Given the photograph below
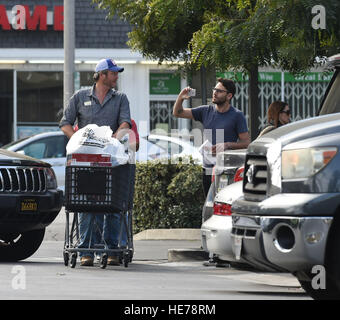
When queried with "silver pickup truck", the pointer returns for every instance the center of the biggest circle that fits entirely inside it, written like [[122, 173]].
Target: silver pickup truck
[[288, 218]]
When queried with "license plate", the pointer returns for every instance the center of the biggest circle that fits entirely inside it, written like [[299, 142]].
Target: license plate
[[237, 247], [28, 205], [223, 182]]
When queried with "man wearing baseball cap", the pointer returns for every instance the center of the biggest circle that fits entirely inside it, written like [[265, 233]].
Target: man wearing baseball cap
[[104, 106], [108, 64]]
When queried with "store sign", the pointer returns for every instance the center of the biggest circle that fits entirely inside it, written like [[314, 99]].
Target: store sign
[[239, 76], [309, 77], [165, 83], [21, 18], [276, 76]]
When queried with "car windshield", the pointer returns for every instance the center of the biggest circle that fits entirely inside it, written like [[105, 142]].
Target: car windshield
[[332, 101], [7, 146]]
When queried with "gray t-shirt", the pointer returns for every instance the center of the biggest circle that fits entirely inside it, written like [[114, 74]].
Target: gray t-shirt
[[85, 107]]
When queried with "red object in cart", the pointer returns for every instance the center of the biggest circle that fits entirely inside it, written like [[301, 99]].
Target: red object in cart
[[84, 159]]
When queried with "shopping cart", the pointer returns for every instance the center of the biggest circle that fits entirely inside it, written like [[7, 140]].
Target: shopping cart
[[93, 190]]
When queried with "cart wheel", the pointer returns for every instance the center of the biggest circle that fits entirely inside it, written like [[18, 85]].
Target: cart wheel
[[66, 258], [73, 260], [103, 261], [130, 255], [126, 260]]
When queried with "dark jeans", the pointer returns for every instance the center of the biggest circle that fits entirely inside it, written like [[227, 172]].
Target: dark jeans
[[207, 174], [94, 228]]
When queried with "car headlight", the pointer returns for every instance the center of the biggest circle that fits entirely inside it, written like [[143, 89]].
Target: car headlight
[[51, 181], [303, 163]]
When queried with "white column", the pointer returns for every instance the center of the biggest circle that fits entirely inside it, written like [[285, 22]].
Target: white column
[[15, 105], [184, 123], [69, 49]]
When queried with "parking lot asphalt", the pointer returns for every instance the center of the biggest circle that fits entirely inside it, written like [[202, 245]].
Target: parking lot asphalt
[[148, 277], [192, 252], [171, 245]]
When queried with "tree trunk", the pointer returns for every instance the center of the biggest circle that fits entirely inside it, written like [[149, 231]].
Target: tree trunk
[[203, 73], [254, 106]]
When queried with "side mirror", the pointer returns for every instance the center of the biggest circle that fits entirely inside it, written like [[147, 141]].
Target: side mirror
[[21, 152]]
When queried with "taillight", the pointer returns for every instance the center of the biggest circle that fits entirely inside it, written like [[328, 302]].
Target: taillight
[[239, 174], [222, 209], [213, 175]]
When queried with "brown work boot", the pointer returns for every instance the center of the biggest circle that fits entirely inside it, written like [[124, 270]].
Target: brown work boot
[[86, 261], [113, 261]]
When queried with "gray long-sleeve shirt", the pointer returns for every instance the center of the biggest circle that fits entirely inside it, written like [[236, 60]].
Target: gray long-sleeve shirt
[[85, 107]]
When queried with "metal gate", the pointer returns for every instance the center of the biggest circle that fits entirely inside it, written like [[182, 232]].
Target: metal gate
[[304, 98], [161, 116]]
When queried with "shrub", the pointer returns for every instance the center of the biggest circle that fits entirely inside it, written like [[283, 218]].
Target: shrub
[[168, 195]]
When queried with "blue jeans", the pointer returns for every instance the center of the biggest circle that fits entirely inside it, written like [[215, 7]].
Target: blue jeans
[[100, 228]]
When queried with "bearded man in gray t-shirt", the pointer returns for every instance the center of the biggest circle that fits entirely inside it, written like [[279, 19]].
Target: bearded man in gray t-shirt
[[225, 127]]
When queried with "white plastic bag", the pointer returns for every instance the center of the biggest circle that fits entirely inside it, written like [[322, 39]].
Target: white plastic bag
[[206, 151], [98, 140]]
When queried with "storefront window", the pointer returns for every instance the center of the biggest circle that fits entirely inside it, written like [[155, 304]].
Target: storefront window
[[161, 117], [6, 106], [164, 88], [40, 97], [86, 79]]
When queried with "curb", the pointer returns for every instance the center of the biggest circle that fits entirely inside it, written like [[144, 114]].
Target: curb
[[180, 255], [169, 234], [56, 232]]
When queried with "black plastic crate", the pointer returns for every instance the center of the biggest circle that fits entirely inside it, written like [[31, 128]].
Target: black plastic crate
[[99, 189]]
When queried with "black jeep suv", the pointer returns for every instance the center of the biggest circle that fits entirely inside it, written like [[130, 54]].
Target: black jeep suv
[[29, 201]]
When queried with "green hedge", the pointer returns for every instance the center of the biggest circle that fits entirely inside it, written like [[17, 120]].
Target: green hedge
[[168, 195]]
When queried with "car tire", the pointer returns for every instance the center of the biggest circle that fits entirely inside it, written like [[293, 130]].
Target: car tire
[[332, 270], [330, 293], [17, 247]]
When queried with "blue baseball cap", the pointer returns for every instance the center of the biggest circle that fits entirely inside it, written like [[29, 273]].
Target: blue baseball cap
[[108, 64]]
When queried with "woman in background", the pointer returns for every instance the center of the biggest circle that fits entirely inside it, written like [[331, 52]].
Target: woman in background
[[278, 114]]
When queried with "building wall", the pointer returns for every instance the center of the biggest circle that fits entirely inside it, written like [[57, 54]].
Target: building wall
[[134, 82], [93, 30], [42, 51]]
